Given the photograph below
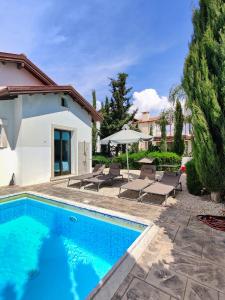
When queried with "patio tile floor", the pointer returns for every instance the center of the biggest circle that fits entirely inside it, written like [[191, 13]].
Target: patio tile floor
[[185, 260], [196, 291]]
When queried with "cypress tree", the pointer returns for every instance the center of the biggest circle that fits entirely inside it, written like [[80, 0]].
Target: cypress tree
[[94, 127], [105, 125], [151, 130], [178, 145], [204, 84], [105, 129], [176, 96], [162, 123]]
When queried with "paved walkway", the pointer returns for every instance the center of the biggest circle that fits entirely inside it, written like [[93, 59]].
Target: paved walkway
[[186, 260]]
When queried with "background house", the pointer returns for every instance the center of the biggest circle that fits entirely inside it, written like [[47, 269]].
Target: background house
[[149, 125], [45, 129]]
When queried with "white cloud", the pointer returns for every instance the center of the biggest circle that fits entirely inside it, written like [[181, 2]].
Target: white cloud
[[149, 100]]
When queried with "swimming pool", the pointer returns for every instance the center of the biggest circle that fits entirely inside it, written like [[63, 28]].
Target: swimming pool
[[50, 250]]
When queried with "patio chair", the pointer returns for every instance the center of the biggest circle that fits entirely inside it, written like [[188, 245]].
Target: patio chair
[[98, 170], [114, 172], [168, 184], [147, 177], [172, 178]]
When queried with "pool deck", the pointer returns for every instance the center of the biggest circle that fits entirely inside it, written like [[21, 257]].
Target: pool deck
[[186, 259]]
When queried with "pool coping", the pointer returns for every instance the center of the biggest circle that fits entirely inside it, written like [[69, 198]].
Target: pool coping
[[110, 283]]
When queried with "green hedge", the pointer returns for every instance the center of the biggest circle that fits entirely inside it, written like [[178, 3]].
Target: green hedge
[[101, 159], [165, 158], [133, 157], [193, 183], [161, 158]]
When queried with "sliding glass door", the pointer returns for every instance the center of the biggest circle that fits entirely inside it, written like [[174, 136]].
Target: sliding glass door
[[62, 152]]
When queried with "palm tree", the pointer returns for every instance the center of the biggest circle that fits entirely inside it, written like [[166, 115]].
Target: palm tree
[[177, 98], [170, 118], [177, 93]]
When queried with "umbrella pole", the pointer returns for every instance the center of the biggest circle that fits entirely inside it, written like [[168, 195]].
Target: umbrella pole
[[128, 175]]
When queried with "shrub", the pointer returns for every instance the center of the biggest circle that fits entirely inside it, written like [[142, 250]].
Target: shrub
[[165, 158], [160, 158], [193, 183], [101, 159], [133, 158]]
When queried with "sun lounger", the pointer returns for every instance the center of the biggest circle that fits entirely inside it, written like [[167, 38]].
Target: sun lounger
[[168, 184], [172, 178], [147, 177], [98, 170], [114, 172]]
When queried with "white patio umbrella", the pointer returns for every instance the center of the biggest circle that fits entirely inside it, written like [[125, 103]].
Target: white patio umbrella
[[126, 136]]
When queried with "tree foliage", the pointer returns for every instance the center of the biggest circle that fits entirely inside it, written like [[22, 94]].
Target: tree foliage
[[151, 130], [116, 110], [204, 84], [177, 93], [194, 185], [176, 97], [94, 127], [163, 122], [178, 145], [107, 119]]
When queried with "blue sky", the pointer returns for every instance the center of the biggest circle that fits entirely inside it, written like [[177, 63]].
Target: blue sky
[[83, 43]]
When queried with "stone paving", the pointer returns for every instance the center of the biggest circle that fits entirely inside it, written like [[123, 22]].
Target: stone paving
[[186, 260]]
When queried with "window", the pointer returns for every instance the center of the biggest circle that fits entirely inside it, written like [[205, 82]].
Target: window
[[64, 102]]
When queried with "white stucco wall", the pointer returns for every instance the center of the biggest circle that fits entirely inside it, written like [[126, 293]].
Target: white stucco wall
[[11, 75], [10, 112], [36, 117]]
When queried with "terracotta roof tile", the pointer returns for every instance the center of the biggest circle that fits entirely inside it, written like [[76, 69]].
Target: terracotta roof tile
[[12, 91], [151, 119]]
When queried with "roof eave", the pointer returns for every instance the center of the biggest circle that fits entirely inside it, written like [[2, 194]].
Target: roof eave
[[28, 65], [10, 93]]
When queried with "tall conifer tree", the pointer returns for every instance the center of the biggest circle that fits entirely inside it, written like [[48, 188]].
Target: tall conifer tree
[[116, 110], [178, 144], [204, 84], [176, 96], [105, 125], [163, 122], [94, 127]]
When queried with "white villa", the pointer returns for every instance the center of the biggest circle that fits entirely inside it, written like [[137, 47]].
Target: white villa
[[148, 124], [45, 128]]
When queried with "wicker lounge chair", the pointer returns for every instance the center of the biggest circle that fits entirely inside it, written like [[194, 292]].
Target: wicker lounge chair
[[114, 172], [168, 184], [147, 177], [98, 170]]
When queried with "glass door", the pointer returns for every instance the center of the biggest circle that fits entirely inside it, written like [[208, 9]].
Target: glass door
[[62, 152]]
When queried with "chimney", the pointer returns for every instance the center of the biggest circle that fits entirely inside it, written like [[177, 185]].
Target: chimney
[[145, 116]]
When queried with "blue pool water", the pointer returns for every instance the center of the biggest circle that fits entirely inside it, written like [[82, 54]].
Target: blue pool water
[[52, 253]]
